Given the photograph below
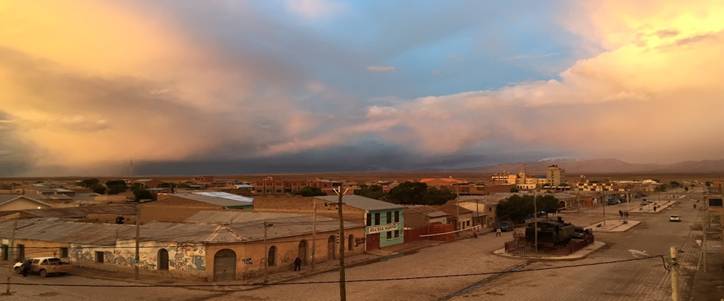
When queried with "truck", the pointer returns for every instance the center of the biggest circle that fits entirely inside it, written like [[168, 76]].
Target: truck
[[45, 266]]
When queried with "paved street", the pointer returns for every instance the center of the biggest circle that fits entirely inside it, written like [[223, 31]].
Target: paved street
[[640, 280]]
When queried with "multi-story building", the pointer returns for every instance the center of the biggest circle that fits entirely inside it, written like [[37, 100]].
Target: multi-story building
[[556, 175], [584, 184], [385, 223], [271, 185]]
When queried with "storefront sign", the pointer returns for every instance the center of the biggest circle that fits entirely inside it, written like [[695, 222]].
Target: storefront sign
[[382, 228]]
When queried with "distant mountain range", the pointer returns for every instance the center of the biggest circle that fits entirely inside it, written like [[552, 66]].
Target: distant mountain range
[[608, 166]]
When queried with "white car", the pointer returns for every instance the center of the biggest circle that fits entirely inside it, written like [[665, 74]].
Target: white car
[[674, 218]]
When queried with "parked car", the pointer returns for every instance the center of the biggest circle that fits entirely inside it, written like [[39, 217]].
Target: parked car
[[674, 218], [45, 266]]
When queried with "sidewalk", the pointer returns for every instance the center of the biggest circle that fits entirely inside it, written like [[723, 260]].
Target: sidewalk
[[580, 254], [613, 225], [660, 205]]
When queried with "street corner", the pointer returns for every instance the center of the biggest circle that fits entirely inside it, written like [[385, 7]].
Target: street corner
[[613, 226], [580, 254]]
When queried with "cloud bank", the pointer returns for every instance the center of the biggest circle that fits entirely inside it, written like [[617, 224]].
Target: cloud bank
[[146, 82]]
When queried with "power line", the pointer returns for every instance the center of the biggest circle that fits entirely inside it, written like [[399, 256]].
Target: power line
[[336, 281]]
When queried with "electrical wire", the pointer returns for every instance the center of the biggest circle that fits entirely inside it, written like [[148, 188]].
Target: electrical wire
[[256, 284]]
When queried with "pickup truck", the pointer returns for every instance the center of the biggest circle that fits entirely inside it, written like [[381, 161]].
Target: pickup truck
[[45, 266]]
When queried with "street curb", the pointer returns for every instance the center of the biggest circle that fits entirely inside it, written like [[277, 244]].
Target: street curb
[[599, 245]]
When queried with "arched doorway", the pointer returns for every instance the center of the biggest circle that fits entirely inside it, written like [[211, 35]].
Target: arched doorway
[[302, 252], [271, 258], [162, 257], [331, 250], [350, 242], [224, 265]]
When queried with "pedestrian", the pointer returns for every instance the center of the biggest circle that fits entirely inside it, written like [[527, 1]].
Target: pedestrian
[[25, 267], [498, 231], [297, 264]]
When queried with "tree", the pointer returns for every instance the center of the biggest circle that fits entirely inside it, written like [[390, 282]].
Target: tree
[[90, 182], [370, 191], [408, 193], [435, 196], [99, 188], [419, 194], [517, 208], [143, 194], [116, 186], [311, 191]]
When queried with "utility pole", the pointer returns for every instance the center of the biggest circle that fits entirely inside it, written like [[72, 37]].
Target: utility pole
[[604, 200], [138, 236], [314, 230], [674, 274], [535, 219], [342, 276], [477, 214], [12, 242], [457, 214], [266, 252]]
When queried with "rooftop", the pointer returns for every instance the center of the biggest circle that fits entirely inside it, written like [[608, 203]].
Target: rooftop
[[223, 199], [361, 202]]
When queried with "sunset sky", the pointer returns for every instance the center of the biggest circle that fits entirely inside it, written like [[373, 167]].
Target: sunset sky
[[237, 86]]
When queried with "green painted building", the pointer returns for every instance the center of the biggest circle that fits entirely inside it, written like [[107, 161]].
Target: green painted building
[[385, 222]]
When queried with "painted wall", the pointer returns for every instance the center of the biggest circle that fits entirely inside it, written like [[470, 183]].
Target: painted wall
[[185, 260], [399, 226], [251, 257]]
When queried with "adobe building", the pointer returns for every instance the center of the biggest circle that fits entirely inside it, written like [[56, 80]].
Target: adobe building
[[212, 245]]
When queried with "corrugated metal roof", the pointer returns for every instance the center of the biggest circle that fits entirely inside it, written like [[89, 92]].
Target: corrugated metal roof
[[362, 202], [7, 198], [59, 230], [235, 217], [216, 198], [54, 229]]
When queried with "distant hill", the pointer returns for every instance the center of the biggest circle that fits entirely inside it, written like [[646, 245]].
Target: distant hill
[[608, 166]]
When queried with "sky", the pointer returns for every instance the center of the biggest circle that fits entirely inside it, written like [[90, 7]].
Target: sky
[[190, 87]]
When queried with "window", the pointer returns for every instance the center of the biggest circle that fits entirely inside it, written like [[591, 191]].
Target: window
[[397, 216], [389, 234], [377, 218], [99, 257], [389, 217], [272, 256], [63, 252], [397, 233], [369, 219], [5, 250]]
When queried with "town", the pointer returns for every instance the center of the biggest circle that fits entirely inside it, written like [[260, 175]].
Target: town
[[323, 150], [268, 236]]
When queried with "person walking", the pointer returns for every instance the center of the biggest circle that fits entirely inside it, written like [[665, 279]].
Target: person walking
[[498, 231], [297, 264], [25, 267]]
